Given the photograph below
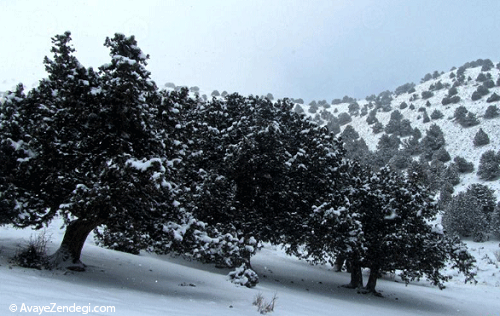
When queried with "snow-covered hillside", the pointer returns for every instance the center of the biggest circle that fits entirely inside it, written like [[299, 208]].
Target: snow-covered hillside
[[160, 285], [459, 140]]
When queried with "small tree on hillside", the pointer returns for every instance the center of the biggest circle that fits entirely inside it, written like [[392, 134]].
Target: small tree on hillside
[[481, 138], [489, 166], [491, 112]]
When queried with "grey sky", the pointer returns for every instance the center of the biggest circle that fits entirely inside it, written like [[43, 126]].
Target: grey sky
[[308, 49]]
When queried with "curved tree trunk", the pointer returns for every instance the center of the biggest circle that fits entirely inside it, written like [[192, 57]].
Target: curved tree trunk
[[68, 254]]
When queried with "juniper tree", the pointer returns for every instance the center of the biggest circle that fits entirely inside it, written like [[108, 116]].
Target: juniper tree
[[91, 149], [489, 166], [271, 166], [481, 138]]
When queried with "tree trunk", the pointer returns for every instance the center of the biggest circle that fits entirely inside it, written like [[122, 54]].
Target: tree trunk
[[372, 281], [339, 263], [356, 275], [68, 254]]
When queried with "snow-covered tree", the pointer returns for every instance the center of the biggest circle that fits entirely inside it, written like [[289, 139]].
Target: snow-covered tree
[[259, 168], [92, 151], [481, 138], [489, 166]]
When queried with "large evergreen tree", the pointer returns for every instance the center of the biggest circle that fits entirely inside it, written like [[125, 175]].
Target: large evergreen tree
[[90, 146]]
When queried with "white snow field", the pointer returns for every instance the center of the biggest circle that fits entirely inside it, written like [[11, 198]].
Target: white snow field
[[148, 284]]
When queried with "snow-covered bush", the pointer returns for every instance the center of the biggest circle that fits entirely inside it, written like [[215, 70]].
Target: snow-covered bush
[[244, 276]]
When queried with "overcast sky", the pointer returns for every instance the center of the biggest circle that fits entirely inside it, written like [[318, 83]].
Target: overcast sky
[[310, 49]]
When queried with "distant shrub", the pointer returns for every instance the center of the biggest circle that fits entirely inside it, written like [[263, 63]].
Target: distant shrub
[[436, 115], [489, 166], [299, 101], [377, 127], [487, 65], [403, 106], [463, 166], [270, 96], [476, 96], [412, 107], [354, 108], [333, 126], [427, 77], [344, 118], [442, 155], [452, 91], [406, 88], [481, 77], [336, 101], [464, 216], [426, 118], [455, 99], [481, 138], [470, 120], [298, 109], [215, 93], [427, 94], [313, 107], [488, 84], [491, 112], [405, 128], [493, 98], [371, 118]]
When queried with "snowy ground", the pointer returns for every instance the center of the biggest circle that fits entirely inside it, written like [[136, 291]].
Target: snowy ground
[[160, 285]]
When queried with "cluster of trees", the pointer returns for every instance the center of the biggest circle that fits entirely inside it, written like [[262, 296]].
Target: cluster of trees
[[161, 170]]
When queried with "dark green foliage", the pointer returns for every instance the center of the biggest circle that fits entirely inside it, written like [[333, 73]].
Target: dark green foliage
[[433, 141], [481, 138], [481, 77], [452, 91], [336, 101], [479, 93], [372, 117], [493, 98], [427, 94], [487, 65], [97, 148], [470, 213], [406, 88], [463, 166], [354, 109], [491, 112], [403, 105], [454, 99], [394, 124], [464, 117], [436, 115], [344, 118], [489, 166], [333, 126], [313, 107], [377, 127], [347, 99], [427, 77], [298, 109], [215, 93], [442, 155], [488, 84], [426, 118]]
